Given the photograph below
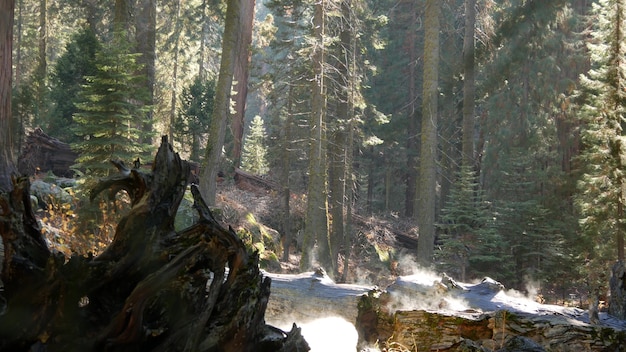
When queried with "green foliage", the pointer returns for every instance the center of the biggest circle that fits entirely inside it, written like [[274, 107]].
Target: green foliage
[[67, 81], [600, 199], [254, 157], [194, 115], [111, 116], [465, 234]]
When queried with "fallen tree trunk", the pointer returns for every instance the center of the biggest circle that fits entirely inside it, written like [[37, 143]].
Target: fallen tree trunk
[[418, 314], [44, 153], [152, 289], [311, 295]]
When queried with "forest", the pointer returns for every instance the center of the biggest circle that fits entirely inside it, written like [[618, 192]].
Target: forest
[[492, 131]]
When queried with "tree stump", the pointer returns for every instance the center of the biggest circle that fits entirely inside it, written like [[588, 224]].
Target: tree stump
[[152, 289]]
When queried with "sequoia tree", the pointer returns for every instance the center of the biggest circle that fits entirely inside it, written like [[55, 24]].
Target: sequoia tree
[[234, 34], [7, 162], [428, 151]]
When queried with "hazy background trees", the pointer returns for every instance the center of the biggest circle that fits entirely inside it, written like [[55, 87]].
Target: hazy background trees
[[478, 137]]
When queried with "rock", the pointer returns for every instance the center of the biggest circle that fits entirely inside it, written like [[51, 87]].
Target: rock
[[49, 194]]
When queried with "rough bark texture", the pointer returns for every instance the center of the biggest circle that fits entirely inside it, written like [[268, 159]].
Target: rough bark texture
[[152, 289], [42, 153], [7, 166], [241, 78], [428, 151], [145, 34], [469, 86], [617, 285], [234, 36], [311, 295], [448, 316], [316, 246]]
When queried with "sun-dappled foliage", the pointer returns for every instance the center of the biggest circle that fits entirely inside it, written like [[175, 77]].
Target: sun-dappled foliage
[[500, 122]]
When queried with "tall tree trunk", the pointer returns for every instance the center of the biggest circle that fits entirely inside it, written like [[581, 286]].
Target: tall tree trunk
[[18, 46], [241, 78], [370, 179], [7, 161], [203, 40], [339, 148], [316, 221], [121, 19], [469, 86], [349, 157], [42, 62], [174, 87], [428, 151], [413, 116], [145, 25], [287, 236], [233, 35]]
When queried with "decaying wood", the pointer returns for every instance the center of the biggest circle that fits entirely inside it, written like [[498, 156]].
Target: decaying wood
[[311, 295], [44, 153], [152, 289], [444, 315], [246, 180]]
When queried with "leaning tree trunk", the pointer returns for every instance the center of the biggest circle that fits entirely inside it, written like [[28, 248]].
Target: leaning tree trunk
[[152, 289]]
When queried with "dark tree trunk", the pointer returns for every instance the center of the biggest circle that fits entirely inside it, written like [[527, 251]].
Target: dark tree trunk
[[7, 164], [617, 286], [242, 63], [152, 289]]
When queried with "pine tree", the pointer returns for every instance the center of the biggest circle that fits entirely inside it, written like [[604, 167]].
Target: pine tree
[[67, 80], [602, 187], [464, 219], [110, 118], [194, 115], [254, 158]]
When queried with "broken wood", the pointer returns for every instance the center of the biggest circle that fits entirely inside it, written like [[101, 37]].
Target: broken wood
[[419, 314], [42, 153], [152, 289]]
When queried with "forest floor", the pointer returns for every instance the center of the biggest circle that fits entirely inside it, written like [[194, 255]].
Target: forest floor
[[382, 246], [376, 257]]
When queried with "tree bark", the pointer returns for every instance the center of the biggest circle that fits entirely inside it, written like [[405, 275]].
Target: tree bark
[[287, 237], [316, 222], [412, 115], [241, 78], [42, 61], [7, 162], [340, 146], [145, 25], [174, 83], [233, 35], [152, 289], [469, 85], [428, 151]]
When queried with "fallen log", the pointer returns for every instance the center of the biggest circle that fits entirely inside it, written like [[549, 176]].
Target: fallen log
[[311, 295], [419, 313], [152, 289], [42, 153]]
